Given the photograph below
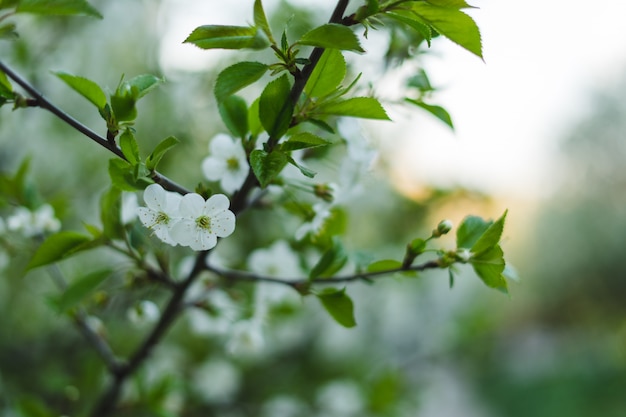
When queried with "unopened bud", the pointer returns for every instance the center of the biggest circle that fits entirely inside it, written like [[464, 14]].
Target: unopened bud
[[443, 228], [463, 255], [325, 191]]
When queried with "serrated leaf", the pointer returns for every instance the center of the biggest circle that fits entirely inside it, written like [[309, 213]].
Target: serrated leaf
[[490, 238], [304, 170], [384, 265], [338, 305], [332, 36], [85, 87], [234, 112], [363, 107], [254, 122], [275, 108], [331, 261], [129, 147], [236, 77], [437, 111], [110, 212], [266, 167], [80, 289], [303, 140], [409, 19], [57, 247], [453, 24], [260, 20], [470, 230], [455, 4], [155, 157], [122, 175], [57, 7], [227, 37], [327, 74], [489, 266]]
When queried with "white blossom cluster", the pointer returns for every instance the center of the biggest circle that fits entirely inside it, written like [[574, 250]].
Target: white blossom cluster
[[187, 220], [30, 223]]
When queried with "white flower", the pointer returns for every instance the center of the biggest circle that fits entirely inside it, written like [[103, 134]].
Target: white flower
[[246, 337], [227, 163], [202, 222], [217, 381], [161, 213], [34, 223], [340, 398], [128, 212], [143, 313], [322, 212], [223, 312]]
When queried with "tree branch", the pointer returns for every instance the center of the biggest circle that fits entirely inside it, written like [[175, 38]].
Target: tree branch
[[44, 103]]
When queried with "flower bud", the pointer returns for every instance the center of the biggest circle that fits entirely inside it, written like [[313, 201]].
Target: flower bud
[[443, 228], [463, 255]]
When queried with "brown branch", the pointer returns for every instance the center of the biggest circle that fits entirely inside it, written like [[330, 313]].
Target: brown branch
[[42, 102]]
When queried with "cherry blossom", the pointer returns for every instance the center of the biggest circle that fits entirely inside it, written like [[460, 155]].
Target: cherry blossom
[[227, 163]]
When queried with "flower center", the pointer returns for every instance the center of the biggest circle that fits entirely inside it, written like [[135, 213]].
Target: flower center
[[232, 164], [204, 222], [162, 218]]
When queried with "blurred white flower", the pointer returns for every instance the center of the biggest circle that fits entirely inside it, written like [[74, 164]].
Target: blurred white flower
[[202, 222], [340, 398], [217, 381], [277, 261], [161, 213], [227, 163], [222, 312], [129, 208], [284, 406], [246, 337], [33, 223], [143, 312]]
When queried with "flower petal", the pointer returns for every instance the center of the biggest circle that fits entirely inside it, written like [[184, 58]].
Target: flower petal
[[154, 196], [191, 205], [222, 145], [217, 203], [213, 167], [223, 224]]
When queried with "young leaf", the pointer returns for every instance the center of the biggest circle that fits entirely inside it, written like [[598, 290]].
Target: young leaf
[[122, 175], [331, 261], [266, 166], [254, 122], [363, 107], [490, 238], [57, 7], [158, 152], [7, 31], [80, 289], [236, 77], [128, 143], [123, 104], [260, 20], [303, 140], [227, 37], [454, 4], [110, 212], [470, 230], [275, 109], [57, 247], [234, 112], [85, 87], [410, 20], [384, 265], [6, 89], [332, 36], [489, 266], [453, 24], [304, 170], [143, 84], [327, 74], [338, 305], [437, 111]]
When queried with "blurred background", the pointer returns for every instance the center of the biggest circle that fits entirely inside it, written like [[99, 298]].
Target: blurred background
[[539, 129]]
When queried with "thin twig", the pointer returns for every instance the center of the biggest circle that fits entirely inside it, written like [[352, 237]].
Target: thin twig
[[44, 103]]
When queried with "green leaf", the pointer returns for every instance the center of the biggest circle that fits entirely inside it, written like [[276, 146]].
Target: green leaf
[[275, 108], [331, 261], [437, 111], [123, 106], [338, 305], [129, 146], [470, 230], [266, 166], [57, 247], [260, 20], [80, 289], [110, 212], [122, 175], [158, 152], [6, 89], [453, 24], [384, 265], [7, 31], [142, 85], [7, 4], [85, 87], [363, 107], [409, 19], [490, 238], [332, 36], [454, 4], [236, 77], [57, 7], [327, 74], [254, 122], [303, 140], [489, 266], [234, 112], [304, 170], [227, 37]]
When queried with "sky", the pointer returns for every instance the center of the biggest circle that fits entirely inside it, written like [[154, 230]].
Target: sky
[[542, 62]]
